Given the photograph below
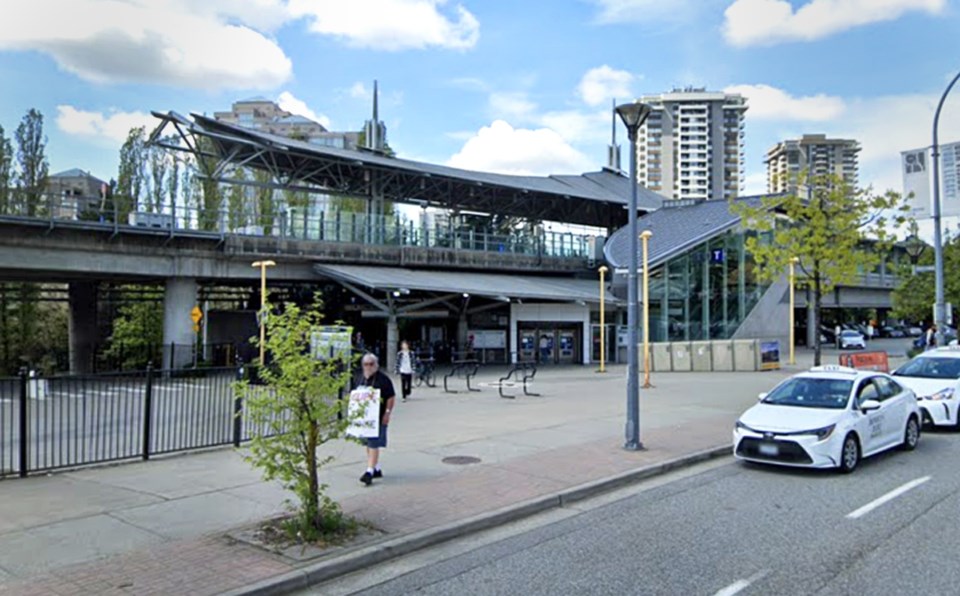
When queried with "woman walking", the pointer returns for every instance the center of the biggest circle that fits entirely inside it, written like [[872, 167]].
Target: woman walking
[[405, 369]]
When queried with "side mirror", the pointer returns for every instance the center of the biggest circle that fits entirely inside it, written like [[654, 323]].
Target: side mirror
[[871, 405], [762, 396]]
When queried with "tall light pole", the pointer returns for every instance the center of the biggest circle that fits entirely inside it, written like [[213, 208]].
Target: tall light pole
[[645, 238], [939, 307], [793, 284], [633, 115], [263, 306], [603, 321]]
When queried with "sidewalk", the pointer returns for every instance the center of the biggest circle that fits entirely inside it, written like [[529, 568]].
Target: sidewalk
[[160, 527]]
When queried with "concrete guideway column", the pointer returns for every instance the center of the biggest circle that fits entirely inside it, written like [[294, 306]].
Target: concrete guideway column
[[393, 340], [82, 299], [179, 298]]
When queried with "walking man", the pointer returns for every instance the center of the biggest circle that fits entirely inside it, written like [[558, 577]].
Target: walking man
[[405, 369], [373, 378]]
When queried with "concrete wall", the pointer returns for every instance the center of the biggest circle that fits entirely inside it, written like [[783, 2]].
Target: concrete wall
[[770, 318], [550, 312]]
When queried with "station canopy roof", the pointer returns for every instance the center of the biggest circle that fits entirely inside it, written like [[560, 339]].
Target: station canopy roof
[[489, 285], [596, 199]]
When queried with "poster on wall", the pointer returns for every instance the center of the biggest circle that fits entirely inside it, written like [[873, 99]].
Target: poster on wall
[[487, 339], [363, 410], [770, 355]]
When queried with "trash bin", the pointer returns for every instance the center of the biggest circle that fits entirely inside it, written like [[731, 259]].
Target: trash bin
[[702, 356]]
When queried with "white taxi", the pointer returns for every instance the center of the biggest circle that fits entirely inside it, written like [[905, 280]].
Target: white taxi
[[935, 377], [829, 417]]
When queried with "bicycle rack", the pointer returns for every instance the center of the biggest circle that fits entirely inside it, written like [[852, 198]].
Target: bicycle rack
[[525, 372], [470, 367]]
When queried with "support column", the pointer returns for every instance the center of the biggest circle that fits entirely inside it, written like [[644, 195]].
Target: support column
[[462, 332], [393, 340], [82, 298], [811, 321], [179, 298]]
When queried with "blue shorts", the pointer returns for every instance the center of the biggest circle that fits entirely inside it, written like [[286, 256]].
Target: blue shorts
[[378, 442]]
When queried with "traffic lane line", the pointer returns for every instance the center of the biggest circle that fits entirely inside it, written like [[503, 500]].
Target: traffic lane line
[[742, 584], [887, 497]]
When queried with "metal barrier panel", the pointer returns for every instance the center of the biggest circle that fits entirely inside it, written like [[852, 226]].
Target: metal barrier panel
[[9, 427], [76, 420], [191, 409]]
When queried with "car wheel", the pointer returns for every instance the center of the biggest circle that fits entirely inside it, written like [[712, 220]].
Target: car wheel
[[849, 455], [911, 434]]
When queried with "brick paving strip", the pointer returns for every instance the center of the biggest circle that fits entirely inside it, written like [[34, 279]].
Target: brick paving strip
[[214, 564]]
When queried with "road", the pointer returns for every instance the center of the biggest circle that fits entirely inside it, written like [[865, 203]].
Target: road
[[725, 528]]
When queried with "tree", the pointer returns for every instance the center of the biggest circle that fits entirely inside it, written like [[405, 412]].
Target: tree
[[6, 172], [32, 158], [237, 201], [138, 327], [159, 164], [294, 413], [210, 196], [837, 234], [266, 206], [913, 299], [132, 172]]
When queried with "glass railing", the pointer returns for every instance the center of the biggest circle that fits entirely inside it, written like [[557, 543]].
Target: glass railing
[[293, 223]]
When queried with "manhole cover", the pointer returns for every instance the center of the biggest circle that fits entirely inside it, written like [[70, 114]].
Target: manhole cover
[[461, 460]]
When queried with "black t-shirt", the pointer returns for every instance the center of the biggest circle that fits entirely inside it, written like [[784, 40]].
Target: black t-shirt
[[378, 381]]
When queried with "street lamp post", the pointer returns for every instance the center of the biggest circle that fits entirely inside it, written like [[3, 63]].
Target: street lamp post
[[263, 306], [645, 238], [633, 115], [793, 342], [914, 246], [603, 321], [939, 307]]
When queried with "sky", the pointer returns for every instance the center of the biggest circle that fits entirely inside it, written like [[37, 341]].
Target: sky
[[497, 85]]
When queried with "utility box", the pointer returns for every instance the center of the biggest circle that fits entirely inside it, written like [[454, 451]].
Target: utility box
[[723, 356], [680, 357], [746, 355], [660, 354], [701, 353]]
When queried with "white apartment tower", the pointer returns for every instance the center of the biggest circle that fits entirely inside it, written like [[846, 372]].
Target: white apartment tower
[[816, 155], [691, 146]]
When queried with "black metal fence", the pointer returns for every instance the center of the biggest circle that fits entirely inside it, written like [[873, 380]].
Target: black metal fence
[[60, 421]]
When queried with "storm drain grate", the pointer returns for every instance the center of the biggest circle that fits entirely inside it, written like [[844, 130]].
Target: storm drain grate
[[461, 460]]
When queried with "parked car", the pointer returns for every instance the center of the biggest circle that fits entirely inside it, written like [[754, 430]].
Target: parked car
[[852, 340], [914, 331], [891, 331], [829, 417], [935, 377]]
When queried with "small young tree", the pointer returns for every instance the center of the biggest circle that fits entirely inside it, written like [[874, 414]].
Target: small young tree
[[293, 413], [837, 233]]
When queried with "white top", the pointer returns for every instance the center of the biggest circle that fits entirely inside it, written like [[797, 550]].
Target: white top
[[405, 362]]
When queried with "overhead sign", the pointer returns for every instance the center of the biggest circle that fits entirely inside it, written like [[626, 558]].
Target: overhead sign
[[488, 339]]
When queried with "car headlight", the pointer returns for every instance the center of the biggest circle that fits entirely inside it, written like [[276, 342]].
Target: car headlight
[[742, 426], [822, 434], [942, 394]]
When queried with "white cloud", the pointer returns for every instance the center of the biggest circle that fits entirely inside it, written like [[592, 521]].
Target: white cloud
[[359, 91], [579, 127], [287, 101], [640, 11], [504, 149], [173, 42], [391, 24], [768, 22], [111, 126], [769, 103], [512, 105], [603, 83]]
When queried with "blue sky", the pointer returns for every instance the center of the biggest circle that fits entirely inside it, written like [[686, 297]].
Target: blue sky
[[499, 85]]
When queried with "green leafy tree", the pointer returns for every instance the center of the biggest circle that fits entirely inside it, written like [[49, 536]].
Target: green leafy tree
[[294, 412], [211, 198], [836, 233], [913, 299], [159, 165], [266, 204], [137, 330], [6, 172], [131, 177], [237, 201], [32, 158]]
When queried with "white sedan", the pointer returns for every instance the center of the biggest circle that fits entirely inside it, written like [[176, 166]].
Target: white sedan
[[850, 339], [829, 417], [935, 377]]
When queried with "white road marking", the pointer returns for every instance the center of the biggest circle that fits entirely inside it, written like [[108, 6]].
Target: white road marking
[[887, 497], [742, 584]]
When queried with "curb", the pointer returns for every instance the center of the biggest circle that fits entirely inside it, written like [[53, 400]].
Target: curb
[[363, 557]]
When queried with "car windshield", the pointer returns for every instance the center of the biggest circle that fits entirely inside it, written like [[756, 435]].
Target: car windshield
[[931, 368], [850, 334], [807, 392]]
